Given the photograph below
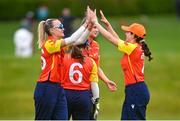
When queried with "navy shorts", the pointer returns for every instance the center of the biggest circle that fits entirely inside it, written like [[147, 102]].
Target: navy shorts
[[50, 102], [136, 99], [79, 104]]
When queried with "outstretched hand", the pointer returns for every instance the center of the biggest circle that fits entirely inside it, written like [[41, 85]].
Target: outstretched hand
[[103, 18], [111, 85], [93, 16], [88, 16]]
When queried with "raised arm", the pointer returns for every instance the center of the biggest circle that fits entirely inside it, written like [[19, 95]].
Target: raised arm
[[108, 25], [75, 36], [104, 32], [82, 39], [81, 32]]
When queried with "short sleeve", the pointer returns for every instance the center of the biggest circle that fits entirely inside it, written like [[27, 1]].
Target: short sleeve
[[52, 46], [94, 76], [126, 47]]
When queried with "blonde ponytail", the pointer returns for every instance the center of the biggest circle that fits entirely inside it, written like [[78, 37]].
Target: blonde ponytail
[[41, 34]]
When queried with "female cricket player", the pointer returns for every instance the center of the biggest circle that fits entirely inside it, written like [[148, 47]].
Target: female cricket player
[[134, 48], [49, 97], [79, 79], [91, 49]]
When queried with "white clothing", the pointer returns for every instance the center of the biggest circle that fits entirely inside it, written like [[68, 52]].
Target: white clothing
[[23, 40]]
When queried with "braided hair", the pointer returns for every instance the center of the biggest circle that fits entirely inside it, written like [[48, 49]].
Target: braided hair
[[144, 46]]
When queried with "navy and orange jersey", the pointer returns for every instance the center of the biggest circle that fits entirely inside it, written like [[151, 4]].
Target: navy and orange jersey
[[50, 60], [132, 62], [76, 75], [92, 51]]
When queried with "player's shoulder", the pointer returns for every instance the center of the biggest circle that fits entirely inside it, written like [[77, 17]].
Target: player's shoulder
[[49, 41], [95, 43], [89, 60], [138, 49]]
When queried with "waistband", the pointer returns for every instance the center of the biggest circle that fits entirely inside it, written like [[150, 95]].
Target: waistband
[[138, 83], [50, 82], [76, 90]]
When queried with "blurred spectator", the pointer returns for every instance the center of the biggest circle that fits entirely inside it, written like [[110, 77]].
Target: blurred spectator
[[23, 39], [42, 13], [178, 8], [28, 21], [67, 19]]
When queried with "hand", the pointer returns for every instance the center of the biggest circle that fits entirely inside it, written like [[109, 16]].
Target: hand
[[90, 26], [88, 17], [103, 19], [95, 109], [94, 19], [111, 85], [95, 100]]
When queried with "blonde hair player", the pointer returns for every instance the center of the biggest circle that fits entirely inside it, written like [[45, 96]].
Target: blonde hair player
[[49, 96]]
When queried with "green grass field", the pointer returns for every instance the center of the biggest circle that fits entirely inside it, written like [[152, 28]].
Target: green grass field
[[18, 76]]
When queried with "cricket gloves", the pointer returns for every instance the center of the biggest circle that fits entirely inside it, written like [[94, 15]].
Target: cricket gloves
[[95, 109]]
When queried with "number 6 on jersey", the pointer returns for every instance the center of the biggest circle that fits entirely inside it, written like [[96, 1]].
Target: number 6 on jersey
[[72, 72]]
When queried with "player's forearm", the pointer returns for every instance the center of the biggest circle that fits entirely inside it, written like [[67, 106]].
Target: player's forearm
[[74, 36], [111, 30], [95, 90], [82, 38], [107, 34], [102, 76]]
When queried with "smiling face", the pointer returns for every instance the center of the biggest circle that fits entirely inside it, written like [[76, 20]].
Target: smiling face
[[94, 32], [57, 30]]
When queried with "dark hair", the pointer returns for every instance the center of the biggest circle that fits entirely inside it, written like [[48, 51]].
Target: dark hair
[[76, 53], [145, 47]]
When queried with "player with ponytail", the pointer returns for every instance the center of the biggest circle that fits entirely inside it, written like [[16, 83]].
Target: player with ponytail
[[49, 95], [79, 79], [134, 48]]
